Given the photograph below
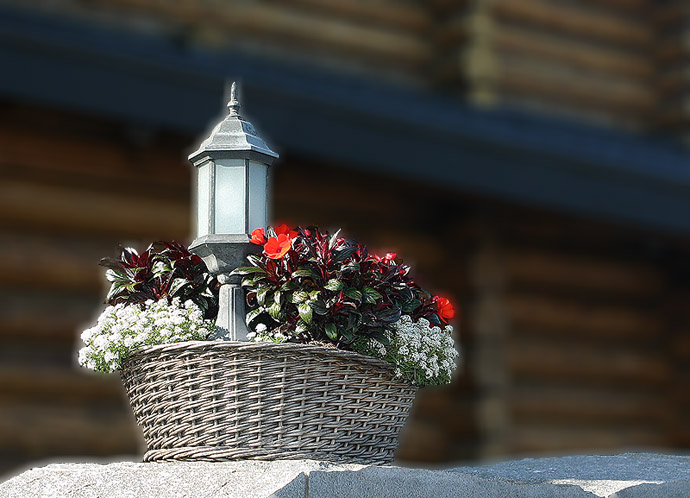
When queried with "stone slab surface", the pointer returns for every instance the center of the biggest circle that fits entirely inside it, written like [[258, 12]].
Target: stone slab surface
[[623, 476]]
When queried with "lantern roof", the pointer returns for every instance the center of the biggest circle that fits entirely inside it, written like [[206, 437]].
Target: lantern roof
[[234, 137]]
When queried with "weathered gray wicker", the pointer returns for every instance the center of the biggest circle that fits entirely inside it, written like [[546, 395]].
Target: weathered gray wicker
[[238, 400]]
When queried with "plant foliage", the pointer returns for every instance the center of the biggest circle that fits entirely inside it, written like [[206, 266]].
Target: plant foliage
[[163, 270], [311, 286]]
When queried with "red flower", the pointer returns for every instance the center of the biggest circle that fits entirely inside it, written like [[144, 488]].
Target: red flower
[[277, 247], [284, 230], [258, 237], [445, 309], [391, 256]]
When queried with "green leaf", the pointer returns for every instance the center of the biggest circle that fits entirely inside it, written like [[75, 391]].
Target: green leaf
[[333, 239], [318, 306], [340, 255], [314, 294], [305, 312], [254, 259], [389, 315], [410, 306], [274, 310], [115, 289], [112, 275], [177, 285], [371, 295], [353, 293], [261, 295], [253, 314], [304, 272], [334, 284], [352, 266], [160, 268], [301, 327], [288, 286], [331, 331], [247, 270], [299, 297], [248, 282], [348, 335]]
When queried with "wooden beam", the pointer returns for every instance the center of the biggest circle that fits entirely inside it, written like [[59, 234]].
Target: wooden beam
[[564, 51], [548, 82], [280, 23], [388, 14], [548, 317], [587, 365], [24, 204], [575, 20], [538, 438], [584, 273]]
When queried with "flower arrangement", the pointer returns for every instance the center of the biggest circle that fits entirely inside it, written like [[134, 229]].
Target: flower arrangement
[[306, 286], [309, 286], [163, 295]]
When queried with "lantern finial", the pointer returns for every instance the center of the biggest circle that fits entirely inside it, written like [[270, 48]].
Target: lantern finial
[[234, 104]]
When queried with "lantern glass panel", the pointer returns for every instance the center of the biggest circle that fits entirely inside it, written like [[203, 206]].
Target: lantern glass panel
[[230, 202], [257, 195], [203, 198]]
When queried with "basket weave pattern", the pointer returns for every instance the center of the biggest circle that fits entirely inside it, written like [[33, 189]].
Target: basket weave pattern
[[237, 400]]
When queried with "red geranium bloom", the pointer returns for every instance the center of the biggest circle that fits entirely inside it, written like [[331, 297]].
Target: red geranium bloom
[[284, 230], [391, 256], [277, 247], [445, 309], [258, 237]]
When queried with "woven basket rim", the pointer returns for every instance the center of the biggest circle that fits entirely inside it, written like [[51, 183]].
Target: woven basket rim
[[298, 348]]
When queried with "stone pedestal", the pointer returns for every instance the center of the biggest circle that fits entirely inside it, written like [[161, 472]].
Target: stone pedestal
[[623, 476]]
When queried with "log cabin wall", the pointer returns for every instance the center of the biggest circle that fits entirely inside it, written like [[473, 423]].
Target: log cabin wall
[[620, 63], [590, 59], [673, 65]]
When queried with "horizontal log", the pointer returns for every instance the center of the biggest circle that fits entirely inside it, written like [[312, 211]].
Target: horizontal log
[[60, 387], [44, 262], [630, 6], [269, 22], [575, 20], [547, 82], [48, 317], [38, 431], [540, 439], [586, 407], [674, 82], [552, 269], [423, 442], [585, 364], [680, 345], [63, 209], [674, 49], [601, 60], [554, 317], [53, 155], [391, 14], [671, 14]]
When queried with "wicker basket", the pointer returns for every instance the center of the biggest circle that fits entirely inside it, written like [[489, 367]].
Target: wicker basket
[[217, 401]]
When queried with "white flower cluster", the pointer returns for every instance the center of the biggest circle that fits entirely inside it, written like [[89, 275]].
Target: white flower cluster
[[122, 329], [423, 354], [262, 334]]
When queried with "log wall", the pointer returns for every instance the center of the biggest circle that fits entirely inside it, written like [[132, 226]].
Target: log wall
[[620, 63]]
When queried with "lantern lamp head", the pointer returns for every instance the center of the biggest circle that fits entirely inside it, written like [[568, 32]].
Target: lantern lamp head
[[232, 167]]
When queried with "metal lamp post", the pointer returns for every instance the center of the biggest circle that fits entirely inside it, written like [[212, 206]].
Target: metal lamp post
[[232, 167]]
